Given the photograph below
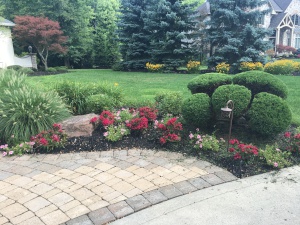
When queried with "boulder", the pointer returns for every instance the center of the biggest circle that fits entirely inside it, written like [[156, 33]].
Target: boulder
[[76, 126]]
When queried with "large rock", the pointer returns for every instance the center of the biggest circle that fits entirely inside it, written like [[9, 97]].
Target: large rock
[[77, 126]]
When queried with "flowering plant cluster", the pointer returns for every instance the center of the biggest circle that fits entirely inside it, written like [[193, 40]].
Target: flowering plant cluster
[[154, 67], [147, 112], [193, 66], [247, 66], [138, 124], [285, 66], [223, 68], [169, 130], [275, 157], [50, 139], [205, 142], [242, 151], [116, 132], [293, 142], [20, 149]]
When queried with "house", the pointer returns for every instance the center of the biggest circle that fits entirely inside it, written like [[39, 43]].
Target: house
[[283, 18], [7, 56]]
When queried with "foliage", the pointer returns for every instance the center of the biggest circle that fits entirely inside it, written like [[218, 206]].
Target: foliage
[[293, 142], [196, 110], [79, 96], [169, 130], [240, 96], [15, 67], [259, 81], [169, 103], [269, 114], [234, 34], [154, 67], [193, 66], [19, 149], [44, 34], [51, 70], [282, 48], [26, 110], [246, 66], [242, 151], [116, 132], [275, 157], [208, 83], [99, 102], [50, 139], [223, 68], [148, 113], [26, 71], [284, 66], [205, 142]]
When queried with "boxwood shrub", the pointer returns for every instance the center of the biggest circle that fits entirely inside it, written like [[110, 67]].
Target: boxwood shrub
[[98, 103], [240, 96], [208, 83], [169, 102], [269, 114], [196, 110], [259, 81]]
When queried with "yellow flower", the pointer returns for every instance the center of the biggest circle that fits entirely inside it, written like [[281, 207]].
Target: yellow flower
[[116, 84]]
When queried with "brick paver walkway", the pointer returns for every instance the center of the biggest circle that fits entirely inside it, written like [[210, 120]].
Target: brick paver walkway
[[96, 187]]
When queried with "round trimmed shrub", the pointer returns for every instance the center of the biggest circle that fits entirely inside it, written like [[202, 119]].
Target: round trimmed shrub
[[208, 83], [259, 81], [98, 103], [196, 110], [269, 114], [240, 95], [169, 102]]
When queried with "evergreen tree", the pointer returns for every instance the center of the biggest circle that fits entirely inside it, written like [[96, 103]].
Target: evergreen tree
[[133, 36], [234, 33], [170, 23]]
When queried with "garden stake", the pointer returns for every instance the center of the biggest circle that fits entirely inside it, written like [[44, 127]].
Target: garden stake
[[229, 112]]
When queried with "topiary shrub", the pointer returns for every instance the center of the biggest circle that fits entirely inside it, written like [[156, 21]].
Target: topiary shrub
[[269, 114], [26, 110], [259, 81], [196, 110], [169, 103], [208, 83], [240, 96]]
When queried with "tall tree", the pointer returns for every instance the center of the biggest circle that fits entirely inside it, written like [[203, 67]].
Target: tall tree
[[133, 36], [44, 34], [234, 33], [170, 23]]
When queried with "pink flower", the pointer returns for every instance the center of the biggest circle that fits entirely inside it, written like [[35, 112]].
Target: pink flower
[[43, 141], [287, 134], [231, 149], [4, 154], [237, 156], [200, 145], [11, 152], [198, 136], [3, 146], [275, 164], [233, 141], [32, 143], [21, 145], [197, 129], [105, 134], [191, 135]]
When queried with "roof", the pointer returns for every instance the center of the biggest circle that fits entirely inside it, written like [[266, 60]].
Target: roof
[[276, 20], [275, 6], [283, 4], [5, 22], [204, 9]]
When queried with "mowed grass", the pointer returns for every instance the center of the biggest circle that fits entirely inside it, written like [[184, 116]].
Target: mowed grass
[[142, 87]]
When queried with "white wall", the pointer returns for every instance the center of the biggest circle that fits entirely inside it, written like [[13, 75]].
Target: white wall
[[6, 48]]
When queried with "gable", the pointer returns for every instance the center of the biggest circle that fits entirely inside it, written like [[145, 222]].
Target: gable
[[283, 4]]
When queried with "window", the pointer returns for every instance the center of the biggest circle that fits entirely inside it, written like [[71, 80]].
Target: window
[[296, 20], [261, 20], [297, 41]]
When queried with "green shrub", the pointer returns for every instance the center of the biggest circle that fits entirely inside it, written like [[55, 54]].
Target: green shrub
[[196, 110], [259, 81], [284, 66], [61, 69], [51, 70], [275, 157], [15, 67], [24, 110], [269, 114], [98, 103], [240, 96], [169, 103], [117, 67], [26, 71], [208, 83], [76, 94]]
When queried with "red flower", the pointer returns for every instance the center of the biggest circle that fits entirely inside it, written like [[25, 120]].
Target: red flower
[[233, 141], [43, 141], [107, 118], [161, 126], [231, 149], [162, 140], [56, 126], [94, 120], [287, 134], [138, 123], [237, 156], [149, 113], [297, 136], [55, 138]]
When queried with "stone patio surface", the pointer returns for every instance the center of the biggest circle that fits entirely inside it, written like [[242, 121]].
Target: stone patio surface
[[96, 187]]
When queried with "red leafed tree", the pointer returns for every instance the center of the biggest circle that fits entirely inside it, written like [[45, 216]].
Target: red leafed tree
[[44, 34]]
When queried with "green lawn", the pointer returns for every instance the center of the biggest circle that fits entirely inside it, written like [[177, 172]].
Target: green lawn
[[138, 86]]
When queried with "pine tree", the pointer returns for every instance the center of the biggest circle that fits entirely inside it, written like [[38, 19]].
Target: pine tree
[[234, 33], [133, 36], [170, 23]]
